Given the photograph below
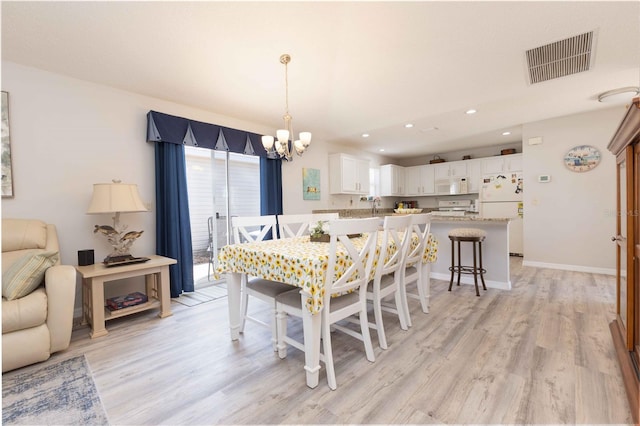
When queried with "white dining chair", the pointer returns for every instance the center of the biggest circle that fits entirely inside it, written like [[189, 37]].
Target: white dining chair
[[297, 225], [252, 229], [413, 271], [344, 295], [396, 232]]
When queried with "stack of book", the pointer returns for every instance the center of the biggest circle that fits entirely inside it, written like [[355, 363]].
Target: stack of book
[[119, 302]]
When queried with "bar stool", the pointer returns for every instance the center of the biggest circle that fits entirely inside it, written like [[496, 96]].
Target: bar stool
[[474, 236]]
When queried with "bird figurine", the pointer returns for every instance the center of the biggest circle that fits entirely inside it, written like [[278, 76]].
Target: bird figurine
[[132, 235], [105, 229]]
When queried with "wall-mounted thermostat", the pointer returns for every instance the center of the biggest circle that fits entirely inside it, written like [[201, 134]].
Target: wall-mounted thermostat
[[544, 178]]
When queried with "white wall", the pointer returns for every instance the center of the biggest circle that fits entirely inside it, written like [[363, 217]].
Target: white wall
[[568, 222]]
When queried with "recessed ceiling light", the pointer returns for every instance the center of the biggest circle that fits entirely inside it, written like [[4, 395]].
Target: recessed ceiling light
[[381, 150], [506, 133], [470, 111], [408, 125], [365, 135]]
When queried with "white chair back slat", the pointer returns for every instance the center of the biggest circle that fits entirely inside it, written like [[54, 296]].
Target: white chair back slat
[[396, 231], [253, 228], [297, 225], [421, 225], [357, 274]]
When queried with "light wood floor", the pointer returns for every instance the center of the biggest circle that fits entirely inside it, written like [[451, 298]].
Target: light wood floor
[[541, 353]]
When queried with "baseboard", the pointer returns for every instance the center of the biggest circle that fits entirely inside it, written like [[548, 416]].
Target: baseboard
[[468, 279], [576, 268]]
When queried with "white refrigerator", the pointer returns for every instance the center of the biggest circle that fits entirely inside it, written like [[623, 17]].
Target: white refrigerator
[[501, 197]]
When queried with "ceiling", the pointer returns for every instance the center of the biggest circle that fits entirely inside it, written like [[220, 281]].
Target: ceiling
[[357, 67]]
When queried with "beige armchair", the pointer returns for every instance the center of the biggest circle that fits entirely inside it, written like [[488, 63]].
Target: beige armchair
[[39, 323]]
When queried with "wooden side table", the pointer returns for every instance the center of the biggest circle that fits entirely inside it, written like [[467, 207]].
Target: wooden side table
[[157, 281]]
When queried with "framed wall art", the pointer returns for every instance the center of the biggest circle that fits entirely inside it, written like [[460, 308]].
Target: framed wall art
[[7, 171], [310, 184]]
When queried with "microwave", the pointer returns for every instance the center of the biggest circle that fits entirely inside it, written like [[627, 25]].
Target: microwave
[[453, 186]]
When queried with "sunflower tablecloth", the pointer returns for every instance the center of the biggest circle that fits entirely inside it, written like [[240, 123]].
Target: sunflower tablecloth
[[295, 261]]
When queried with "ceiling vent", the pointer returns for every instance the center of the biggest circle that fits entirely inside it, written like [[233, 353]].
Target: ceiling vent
[[564, 57]]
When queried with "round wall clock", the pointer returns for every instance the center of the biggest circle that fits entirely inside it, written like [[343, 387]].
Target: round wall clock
[[582, 158]]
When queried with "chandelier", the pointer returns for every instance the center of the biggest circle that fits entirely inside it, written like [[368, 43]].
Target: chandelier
[[281, 145]]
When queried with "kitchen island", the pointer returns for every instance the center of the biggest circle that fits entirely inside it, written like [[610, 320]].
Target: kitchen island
[[495, 249]]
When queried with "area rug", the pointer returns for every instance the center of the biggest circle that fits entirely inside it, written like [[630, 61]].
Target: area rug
[[58, 394], [202, 295]]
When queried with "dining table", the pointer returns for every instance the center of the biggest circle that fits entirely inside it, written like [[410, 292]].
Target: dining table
[[301, 263]]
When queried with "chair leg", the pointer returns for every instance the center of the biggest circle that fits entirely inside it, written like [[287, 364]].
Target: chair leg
[[459, 264], [328, 352], [244, 302], [364, 329], [404, 316], [426, 285], [377, 313], [403, 313], [481, 270], [475, 269], [453, 263], [422, 292], [274, 328], [281, 325]]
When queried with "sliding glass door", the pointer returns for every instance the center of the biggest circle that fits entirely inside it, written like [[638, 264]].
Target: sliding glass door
[[220, 184]]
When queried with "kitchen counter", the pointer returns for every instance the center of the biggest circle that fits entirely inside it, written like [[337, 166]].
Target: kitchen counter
[[495, 249], [468, 218]]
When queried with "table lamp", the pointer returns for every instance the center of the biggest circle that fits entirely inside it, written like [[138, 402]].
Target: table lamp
[[116, 198]]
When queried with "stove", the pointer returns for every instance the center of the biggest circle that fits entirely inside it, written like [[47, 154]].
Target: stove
[[453, 208]]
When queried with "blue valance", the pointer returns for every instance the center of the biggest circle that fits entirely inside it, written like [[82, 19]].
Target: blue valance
[[169, 128]]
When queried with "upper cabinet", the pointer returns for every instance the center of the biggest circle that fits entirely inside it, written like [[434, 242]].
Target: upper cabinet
[[419, 180], [502, 163], [348, 175], [474, 174], [453, 169], [392, 180]]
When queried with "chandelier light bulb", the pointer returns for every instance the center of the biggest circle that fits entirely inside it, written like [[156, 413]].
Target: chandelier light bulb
[[267, 142], [305, 137], [282, 135], [299, 146]]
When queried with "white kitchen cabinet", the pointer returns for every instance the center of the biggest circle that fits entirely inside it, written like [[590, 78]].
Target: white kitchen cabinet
[[392, 180], [348, 174], [513, 163], [420, 180], [453, 169], [502, 164], [441, 171], [459, 168], [474, 175]]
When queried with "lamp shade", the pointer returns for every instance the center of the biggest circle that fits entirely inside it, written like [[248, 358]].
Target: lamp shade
[[115, 197]]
